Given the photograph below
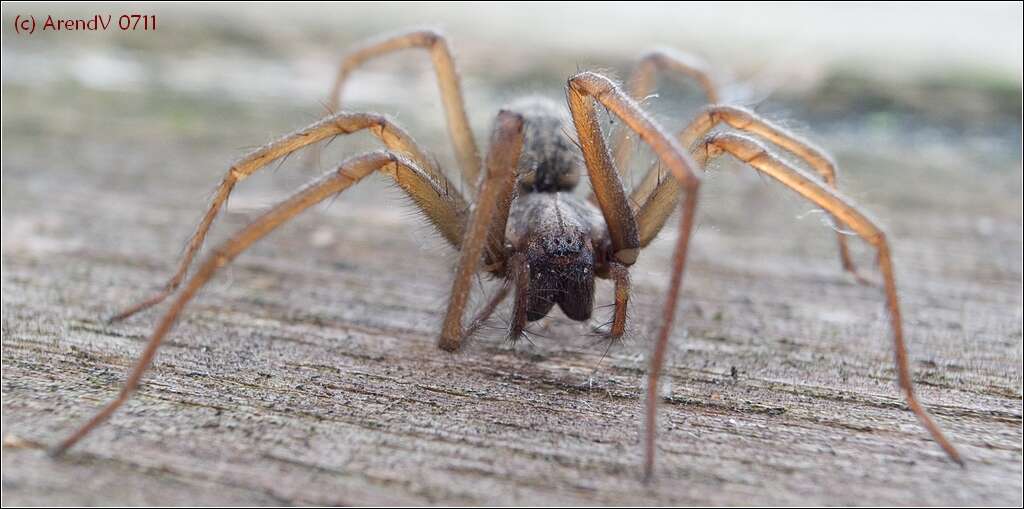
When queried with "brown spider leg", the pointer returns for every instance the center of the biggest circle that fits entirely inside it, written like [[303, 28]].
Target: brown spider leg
[[619, 215], [487, 223], [620, 274], [466, 151], [488, 309], [393, 137], [519, 275], [413, 180], [668, 319], [746, 121], [642, 80], [757, 156]]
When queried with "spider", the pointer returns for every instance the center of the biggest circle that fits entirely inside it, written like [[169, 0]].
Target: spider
[[523, 224]]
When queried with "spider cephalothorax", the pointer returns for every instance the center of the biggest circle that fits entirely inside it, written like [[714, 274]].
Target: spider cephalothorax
[[526, 225], [555, 230], [561, 235]]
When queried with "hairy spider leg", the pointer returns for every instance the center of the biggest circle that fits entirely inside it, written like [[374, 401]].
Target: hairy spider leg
[[618, 213], [416, 182], [450, 220], [666, 193], [620, 275], [642, 80], [487, 222], [466, 152], [753, 153], [519, 274]]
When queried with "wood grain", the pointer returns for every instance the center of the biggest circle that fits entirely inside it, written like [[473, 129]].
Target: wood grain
[[308, 373]]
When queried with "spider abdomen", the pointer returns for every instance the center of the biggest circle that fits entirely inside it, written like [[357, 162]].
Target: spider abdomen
[[550, 161]]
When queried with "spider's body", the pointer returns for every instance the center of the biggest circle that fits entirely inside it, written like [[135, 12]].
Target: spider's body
[[562, 236], [565, 245], [525, 224]]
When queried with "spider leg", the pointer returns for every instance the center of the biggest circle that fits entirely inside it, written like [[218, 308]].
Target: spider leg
[[519, 275], [757, 156], [488, 309], [653, 213], [642, 81], [486, 230], [619, 274], [668, 319], [618, 214], [402, 170], [448, 218], [466, 151]]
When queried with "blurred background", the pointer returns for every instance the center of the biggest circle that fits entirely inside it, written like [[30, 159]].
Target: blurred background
[[933, 86], [950, 60]]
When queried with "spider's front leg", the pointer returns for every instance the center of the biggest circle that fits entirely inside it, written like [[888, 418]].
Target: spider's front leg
[[583, 90], [486, 229]]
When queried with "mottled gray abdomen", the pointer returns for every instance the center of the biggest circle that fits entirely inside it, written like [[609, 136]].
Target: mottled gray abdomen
[[551, 161]]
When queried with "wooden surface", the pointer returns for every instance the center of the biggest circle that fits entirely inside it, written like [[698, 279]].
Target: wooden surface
[[307, 373]]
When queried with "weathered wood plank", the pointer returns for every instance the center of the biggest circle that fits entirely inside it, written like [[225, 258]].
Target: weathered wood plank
[[308, 374]]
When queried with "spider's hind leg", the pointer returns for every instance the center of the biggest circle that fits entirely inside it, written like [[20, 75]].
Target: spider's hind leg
[[758, 157], [642, 80], [656, 196], [466, 152]]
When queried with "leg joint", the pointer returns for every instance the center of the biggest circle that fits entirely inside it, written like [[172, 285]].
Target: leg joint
[[657, 57], [235, 174], [737, 117], [427, 37], [591, 83]]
